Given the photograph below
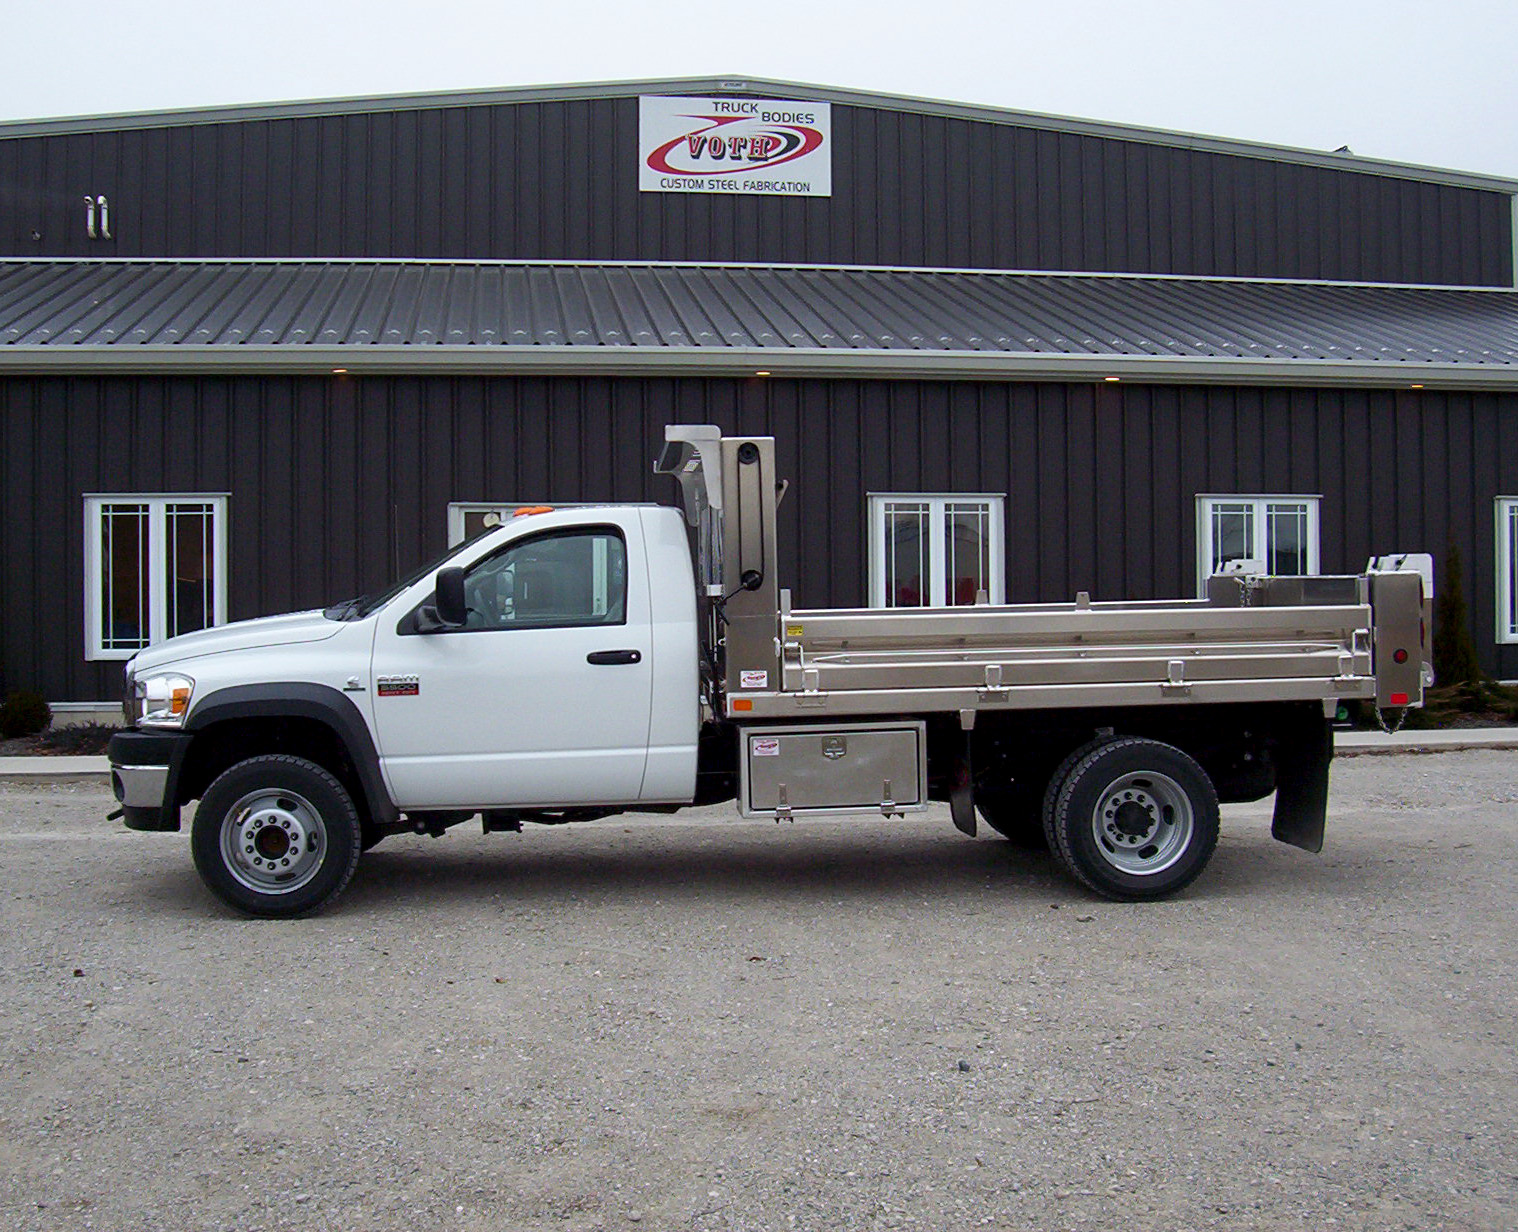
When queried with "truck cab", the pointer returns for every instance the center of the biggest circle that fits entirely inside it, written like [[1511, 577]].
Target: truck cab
[[571, 679], [565, 680]]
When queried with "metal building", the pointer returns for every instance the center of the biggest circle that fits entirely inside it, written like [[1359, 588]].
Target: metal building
[[262, 358]]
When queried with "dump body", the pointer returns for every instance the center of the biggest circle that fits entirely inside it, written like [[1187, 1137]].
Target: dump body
[[1252, 640]]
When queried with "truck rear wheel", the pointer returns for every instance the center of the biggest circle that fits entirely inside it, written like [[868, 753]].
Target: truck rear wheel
[[1134, 819], [276, 836]]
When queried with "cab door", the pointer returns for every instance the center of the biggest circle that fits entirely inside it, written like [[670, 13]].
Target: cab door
[[543, 697]]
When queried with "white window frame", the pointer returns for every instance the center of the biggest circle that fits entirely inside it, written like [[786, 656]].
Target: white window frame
[[938, 503], [1507, 562], [1261, 501], [157, 503]]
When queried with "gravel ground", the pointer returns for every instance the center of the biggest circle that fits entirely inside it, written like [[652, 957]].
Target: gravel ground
[[713, 1024]]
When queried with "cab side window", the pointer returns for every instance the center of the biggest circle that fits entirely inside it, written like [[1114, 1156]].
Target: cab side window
[[576, 577]]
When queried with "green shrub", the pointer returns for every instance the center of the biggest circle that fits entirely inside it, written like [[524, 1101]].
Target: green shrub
[[1482, 704], [1455, 659], [23, 714], [79, 739]]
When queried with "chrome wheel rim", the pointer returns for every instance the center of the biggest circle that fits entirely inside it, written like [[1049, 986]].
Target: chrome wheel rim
[[273, 841], [1143, 823]]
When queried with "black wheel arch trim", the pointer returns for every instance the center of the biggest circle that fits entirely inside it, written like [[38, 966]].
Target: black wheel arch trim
[[301, 699]]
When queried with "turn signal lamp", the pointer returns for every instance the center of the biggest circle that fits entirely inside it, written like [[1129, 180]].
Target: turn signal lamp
[[163, 701]]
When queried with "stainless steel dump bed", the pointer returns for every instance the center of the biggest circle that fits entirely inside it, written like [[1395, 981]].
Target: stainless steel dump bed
[[1253, 639], [1067, 654]]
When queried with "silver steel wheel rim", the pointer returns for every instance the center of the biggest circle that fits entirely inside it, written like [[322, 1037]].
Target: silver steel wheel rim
[[1143, 823], [273, 841]]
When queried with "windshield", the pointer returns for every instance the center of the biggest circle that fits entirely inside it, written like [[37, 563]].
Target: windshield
[[364, 605]]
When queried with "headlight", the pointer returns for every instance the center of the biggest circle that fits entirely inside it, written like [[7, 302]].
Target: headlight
[[162, 700]]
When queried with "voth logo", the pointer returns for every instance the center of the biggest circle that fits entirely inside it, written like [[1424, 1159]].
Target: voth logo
[[766, 146], [732, 145]]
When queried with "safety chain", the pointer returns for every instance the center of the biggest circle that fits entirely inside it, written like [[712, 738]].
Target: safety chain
[[1381, 720]]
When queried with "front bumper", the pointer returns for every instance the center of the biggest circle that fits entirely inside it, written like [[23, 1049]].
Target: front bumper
[[145, 777]]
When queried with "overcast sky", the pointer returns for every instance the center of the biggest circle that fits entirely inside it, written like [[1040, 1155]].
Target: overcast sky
[[1427, 82]]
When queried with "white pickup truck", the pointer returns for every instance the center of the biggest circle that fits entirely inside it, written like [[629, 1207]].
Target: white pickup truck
[[577, 663]]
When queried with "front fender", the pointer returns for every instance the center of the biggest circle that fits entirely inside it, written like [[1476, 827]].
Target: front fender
[[302, 699]]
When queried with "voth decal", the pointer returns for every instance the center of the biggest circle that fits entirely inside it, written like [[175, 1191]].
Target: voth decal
[[770, 147]]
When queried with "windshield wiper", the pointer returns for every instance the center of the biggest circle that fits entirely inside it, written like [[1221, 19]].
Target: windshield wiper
[[348, 609]]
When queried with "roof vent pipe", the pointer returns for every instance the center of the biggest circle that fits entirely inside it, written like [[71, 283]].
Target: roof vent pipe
[[103, 231]]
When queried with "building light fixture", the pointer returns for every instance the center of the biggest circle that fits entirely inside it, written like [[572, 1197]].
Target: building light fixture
[[1112, 379], [1415, 387], [339, 372], [762, 372]]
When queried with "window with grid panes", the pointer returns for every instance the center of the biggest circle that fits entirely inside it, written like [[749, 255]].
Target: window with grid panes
[[936, 550], [1507, 569], [1279, 533], [155, 567]]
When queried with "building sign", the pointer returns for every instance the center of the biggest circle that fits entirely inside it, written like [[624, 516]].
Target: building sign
[[766, 146]]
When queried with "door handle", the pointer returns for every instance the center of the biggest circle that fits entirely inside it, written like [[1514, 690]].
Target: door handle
[[599, 657]]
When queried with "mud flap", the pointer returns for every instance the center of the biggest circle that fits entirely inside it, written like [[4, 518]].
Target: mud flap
[[962, 794], [1303, 753]]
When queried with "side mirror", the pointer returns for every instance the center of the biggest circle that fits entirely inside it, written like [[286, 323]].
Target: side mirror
[[451, 610]]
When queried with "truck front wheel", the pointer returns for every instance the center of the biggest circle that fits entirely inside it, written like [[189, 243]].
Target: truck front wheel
[[276, 836], [1134, 819]]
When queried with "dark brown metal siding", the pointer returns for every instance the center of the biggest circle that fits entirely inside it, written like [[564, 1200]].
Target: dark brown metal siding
[[558, 180], [338, 485]]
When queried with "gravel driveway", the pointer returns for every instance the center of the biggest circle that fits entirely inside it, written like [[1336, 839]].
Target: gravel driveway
[[714, 1024]]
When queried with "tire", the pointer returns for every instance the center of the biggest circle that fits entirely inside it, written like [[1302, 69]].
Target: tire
[[1056, 781], [1134, 819], [276, 836]]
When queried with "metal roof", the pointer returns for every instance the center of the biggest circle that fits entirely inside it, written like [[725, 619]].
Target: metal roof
[[762, 87], [665, 318]]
